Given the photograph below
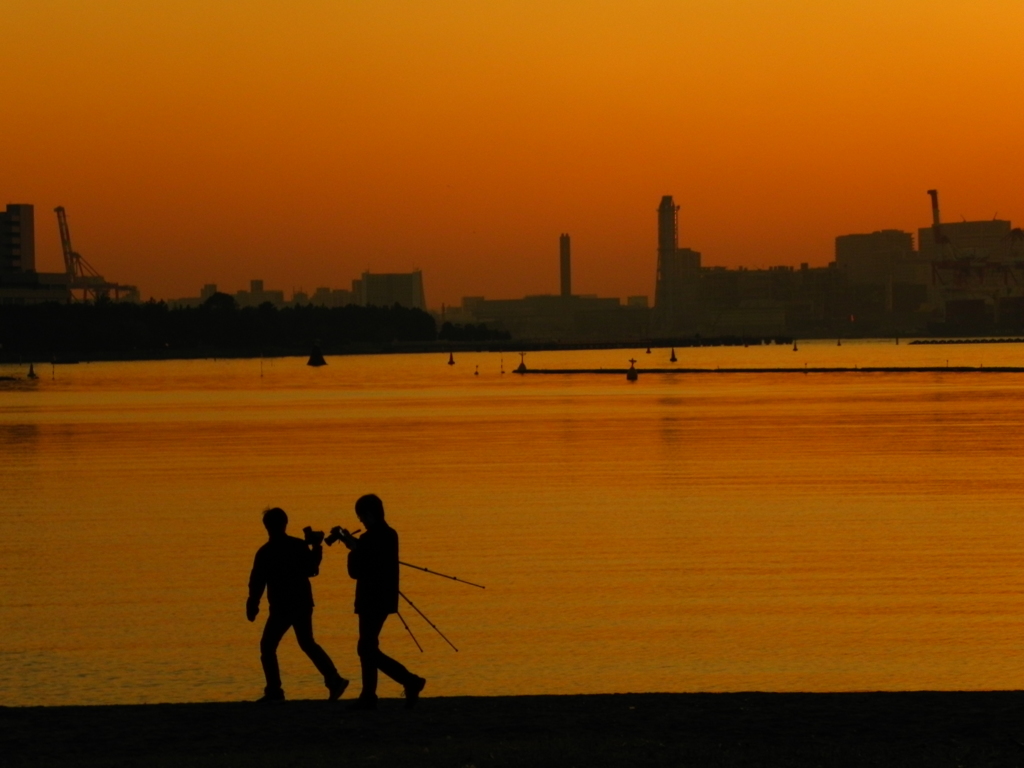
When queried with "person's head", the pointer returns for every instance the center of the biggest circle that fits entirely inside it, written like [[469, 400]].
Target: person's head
[[275, 521], [370, 510]]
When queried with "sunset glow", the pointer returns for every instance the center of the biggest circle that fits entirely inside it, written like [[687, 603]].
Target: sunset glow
[[302, 143]]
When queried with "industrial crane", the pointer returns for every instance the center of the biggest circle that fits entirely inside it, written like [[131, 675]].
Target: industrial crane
[[82, 275], [75, 266]]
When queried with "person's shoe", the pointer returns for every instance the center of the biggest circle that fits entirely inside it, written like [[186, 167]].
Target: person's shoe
[[412, 692], [271, 698], [363, 704], [336, 688]]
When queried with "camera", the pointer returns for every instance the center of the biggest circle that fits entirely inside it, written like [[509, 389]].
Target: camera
[[337, 534], [313, 537]]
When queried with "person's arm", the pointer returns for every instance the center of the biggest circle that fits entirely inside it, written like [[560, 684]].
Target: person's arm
[[357, 556], [316, 556], [257, 583]]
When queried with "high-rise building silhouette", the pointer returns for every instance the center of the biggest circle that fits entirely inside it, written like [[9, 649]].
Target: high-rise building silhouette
[[673, 299], [17, 240], [566, 264], [20, 283], [668, 227]]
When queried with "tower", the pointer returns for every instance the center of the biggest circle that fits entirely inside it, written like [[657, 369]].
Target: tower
[[677, 292], [668, 226], [566, 264], [668, 244]]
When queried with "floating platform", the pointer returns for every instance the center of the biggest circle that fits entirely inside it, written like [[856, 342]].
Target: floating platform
[[866, 369]]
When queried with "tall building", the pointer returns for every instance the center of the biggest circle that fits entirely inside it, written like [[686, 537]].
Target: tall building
[[17, 240], [674, 295], [882, 275], [668, 226], [871, 258], [988, 240], [19, 281], [565, 262], [388, 289], [691, 299], [977, 272]]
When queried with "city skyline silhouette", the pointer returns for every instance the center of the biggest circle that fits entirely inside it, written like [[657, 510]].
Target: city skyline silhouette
[[304, 147]]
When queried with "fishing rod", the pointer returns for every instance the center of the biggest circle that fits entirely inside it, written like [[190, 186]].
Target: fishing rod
[[442, 575], [410, 602], [338, 533], [402, 619]]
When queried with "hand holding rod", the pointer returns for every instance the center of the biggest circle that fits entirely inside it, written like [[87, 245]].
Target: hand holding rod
[[410, 602], [442, 575]]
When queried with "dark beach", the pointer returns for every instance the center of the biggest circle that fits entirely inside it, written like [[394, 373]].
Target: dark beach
[[736, 729]]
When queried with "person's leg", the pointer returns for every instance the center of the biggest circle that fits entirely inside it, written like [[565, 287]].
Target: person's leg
[[369, 650], [277, 624], [392, 668], [413, 684], [303, 625]]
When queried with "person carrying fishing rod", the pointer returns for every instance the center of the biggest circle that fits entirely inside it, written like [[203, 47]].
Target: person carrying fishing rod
[[373, 563]]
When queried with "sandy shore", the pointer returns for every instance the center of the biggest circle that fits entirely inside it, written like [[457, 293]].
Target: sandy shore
[[744, 729]]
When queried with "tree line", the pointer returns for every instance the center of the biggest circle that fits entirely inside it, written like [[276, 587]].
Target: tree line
[[217, 328]]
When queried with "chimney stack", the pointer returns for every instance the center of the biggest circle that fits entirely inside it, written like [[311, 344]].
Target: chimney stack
[[563, 248]]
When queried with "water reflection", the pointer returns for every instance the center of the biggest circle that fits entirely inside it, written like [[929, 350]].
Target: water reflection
[[19, 436], [827, 532]]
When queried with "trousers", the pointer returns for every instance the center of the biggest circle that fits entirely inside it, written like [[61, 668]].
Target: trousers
[[301, 621], [371, 658]]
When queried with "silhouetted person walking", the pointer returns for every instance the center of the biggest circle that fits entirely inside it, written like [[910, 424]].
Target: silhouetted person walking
[[373, 563], [283, 566]]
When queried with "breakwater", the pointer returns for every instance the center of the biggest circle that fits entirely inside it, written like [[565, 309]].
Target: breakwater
[[1010, 340], [805, 369]]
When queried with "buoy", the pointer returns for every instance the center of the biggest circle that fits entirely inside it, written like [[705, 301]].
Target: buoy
[[632, 374], [477, 371], [794, 347], [522, 363], [673, 358], [316, 357], [451, 358], [648, 350], [32, 372]]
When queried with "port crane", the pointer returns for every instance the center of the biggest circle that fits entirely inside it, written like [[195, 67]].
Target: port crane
[[82, 276]]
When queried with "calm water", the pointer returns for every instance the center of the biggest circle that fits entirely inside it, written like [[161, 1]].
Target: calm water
[[819, 533]]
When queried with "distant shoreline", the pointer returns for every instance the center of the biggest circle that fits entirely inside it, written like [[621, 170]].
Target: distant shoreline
[[905, 729], [511, 347]]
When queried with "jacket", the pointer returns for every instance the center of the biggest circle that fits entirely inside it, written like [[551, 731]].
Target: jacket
[[374, 565], [283, 567]]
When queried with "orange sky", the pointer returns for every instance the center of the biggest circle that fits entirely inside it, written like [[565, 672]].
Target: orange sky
[[305, 141]]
